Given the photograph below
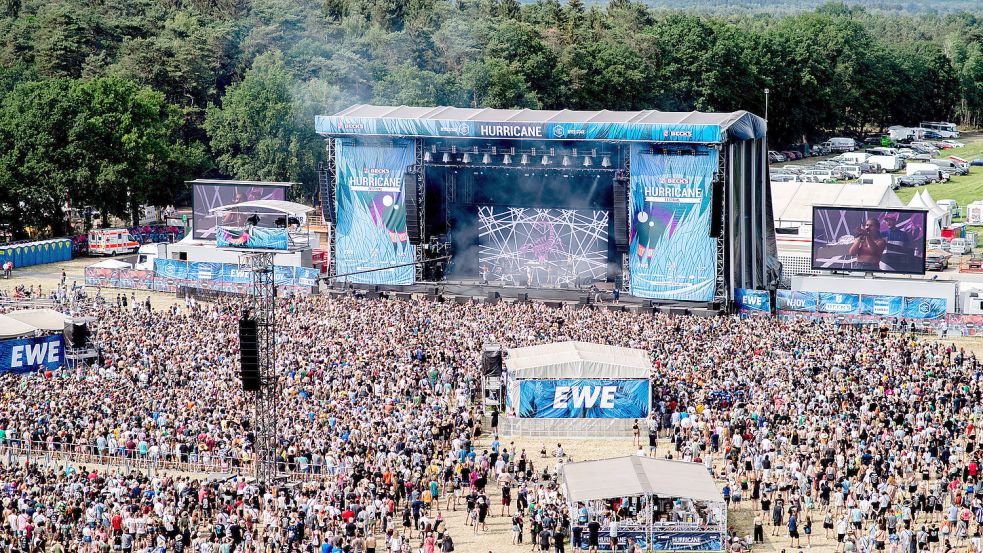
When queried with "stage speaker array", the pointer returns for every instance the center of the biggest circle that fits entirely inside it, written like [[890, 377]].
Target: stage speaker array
[[717, 209], [249, 354], [412, 203], [76, 334], [491, 360], [620, 212]]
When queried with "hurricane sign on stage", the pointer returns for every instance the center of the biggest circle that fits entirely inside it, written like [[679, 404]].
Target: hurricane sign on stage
[[542, 247], [671, 252]]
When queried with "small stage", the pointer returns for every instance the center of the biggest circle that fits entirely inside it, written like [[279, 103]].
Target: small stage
[[601, 297]]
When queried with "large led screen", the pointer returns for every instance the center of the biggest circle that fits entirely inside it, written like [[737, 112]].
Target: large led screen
[[542, 247], [208, 196], [868, 240]]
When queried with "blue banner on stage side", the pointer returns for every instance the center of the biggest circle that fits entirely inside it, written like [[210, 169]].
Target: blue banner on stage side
[[672, 255], [371, 229], [306, 277], [752, 301], [171, 268], [371, 126], [236, 274], [842, 304], [883, 306], [254, 238], [686, 541], [924, 308], [199, 270], [30, 354], [604, 541], [807, 302], [584, 399]]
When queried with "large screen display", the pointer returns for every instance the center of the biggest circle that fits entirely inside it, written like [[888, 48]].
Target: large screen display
[[542, 247], [869, 240], [208, 196]]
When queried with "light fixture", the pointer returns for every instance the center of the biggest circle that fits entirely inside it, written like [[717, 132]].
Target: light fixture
[[427, 157], [486, 159], [466, 158], [606, 161], [506, 159], [446, 158], [546, 160], [566, 161], [587, 161], [525, 159]]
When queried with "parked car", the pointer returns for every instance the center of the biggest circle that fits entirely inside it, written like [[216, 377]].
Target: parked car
[[940, 244], [775, 157], [783, 178], [842, 144], [849, 171], [791, 155], [960, 246], [936, 261], [821, 149], [978, 162], [909, 181]]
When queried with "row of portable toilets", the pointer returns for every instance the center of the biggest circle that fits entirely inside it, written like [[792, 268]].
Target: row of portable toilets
[[37, 253]]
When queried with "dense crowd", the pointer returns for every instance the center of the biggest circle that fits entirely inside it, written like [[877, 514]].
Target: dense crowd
[[873, 437]]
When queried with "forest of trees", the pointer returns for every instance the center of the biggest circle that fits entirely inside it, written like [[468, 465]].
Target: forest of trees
[[114, 103]]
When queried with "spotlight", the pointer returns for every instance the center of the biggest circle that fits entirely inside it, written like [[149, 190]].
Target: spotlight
[[427, 157], [546, 160], [506, 159], [486, 159], [566, 161], [466, 158], [606, 161], [446, 158], [588, 161], [525, 159]]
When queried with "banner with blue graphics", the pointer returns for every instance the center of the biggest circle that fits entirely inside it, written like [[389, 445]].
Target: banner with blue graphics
[[752, 301], [229, 275], [641, 132], [30, 354], [255, 238], [924, 308], [371, 227], [841, 304], [584, 399], [789, 300], [672, 254], [686, 541], [884, 306], [171, 268]]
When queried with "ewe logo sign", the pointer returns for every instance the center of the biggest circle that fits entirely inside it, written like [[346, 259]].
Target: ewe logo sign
[[584, 399], [30, 354]]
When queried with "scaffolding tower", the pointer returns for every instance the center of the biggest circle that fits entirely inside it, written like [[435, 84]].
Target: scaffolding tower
[[261, 304]]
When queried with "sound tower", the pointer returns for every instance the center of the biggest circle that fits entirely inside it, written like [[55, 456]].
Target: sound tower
[[412, 203], [249, 354], [491, 360], [620, 212], [76, 334], [717, 209]]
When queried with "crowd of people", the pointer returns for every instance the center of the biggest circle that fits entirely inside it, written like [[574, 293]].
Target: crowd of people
[[873, 437]]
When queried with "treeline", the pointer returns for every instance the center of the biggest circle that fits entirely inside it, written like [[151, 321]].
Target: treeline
[[114, 104]]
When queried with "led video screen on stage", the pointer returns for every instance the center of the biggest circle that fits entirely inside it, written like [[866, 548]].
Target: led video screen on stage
[[542, 247], [869, 240], [208, 196]]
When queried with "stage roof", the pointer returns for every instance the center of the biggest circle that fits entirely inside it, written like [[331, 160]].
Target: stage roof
[[577, 360], [45, 319], [452, 122], [634, 475], [276, 206]]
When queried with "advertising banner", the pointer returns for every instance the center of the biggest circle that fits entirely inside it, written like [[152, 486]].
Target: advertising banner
[[335, 125], [840, 304], [884, 306], [686, 541], [584, 399], [672, 254], [753, 301], [797, 301], [30, 354], [924, 308], [306, 277], [371, 217], [171, 268], [258, 238]]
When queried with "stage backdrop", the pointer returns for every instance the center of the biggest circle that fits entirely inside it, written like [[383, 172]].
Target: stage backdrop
[[371, 228], [584, 399], [671, 251]]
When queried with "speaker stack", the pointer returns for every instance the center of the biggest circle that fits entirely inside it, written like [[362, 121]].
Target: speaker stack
[[491, 360], [412, 204], [249, 354], [76, 334], [620, 212]]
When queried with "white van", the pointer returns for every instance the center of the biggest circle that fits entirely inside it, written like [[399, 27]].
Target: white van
[[871, 178], [960, 246], [853, 157], [887, 163], [822, 175], [841, 144]]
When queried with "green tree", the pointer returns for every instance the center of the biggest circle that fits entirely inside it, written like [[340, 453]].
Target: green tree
[[255, 134]]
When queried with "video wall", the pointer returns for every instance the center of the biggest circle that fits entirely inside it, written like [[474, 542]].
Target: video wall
[[869, 240], [672, 255], [371, 215], [542, 247], [208, 196]]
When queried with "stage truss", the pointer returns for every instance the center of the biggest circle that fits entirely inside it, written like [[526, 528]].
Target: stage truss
[[262, 303]]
